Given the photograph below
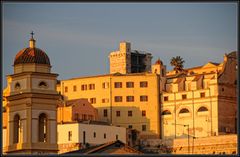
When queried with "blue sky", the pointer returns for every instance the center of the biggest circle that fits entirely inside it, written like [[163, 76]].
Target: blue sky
[[79, 36]]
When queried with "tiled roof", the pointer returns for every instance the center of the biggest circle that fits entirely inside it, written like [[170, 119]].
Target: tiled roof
[[31, 55]]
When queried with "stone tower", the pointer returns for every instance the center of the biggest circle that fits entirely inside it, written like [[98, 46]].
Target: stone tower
[[32, 104], [127, 61], [120, 61]]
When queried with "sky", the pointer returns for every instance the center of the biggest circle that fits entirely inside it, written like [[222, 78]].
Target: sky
[[78, 37]]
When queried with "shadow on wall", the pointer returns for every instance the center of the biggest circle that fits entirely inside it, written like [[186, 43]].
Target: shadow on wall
[[129, 117]]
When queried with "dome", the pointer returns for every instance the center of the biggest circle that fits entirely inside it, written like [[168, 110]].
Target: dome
[[158, 62], [31, 55]]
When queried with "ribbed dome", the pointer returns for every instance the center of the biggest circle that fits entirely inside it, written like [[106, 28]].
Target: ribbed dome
[[31, 55]]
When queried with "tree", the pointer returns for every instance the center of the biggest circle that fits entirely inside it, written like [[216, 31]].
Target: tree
[[177, 62]]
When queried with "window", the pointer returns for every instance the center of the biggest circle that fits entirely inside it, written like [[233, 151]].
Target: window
[[93, 100], [105, 100], [143, 98], [91, 86], [17, 86], [144, 127], [84, 117], [42, 128], [166, 98], [104, 136], [118, 98], [75, 88], [143, 84], [16, 131], [84, 87], [184, 110], [118, 84], [163, 72], [130, 126], [105, 113], [90, 117], [42, 84], [116, 137], [94, 134], [184, 96], [129, 113], [105, 85], [202, 109], [66, 89], [118, 113], [130, 84], [69, 135], [130, 98], [166, 112], [202, 95], [76, 116], [144, 113]]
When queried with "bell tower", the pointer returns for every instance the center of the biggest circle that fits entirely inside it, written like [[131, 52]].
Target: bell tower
[[32, 104]]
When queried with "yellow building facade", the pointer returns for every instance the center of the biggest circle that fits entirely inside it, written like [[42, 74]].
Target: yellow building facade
[[199, 101], [128, 100]]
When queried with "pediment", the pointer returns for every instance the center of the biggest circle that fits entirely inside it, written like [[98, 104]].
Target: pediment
[[210, 65]]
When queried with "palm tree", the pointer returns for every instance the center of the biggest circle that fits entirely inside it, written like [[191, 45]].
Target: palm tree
[[177, 62]]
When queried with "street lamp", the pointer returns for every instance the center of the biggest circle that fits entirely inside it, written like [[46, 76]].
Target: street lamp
[[185, 125]]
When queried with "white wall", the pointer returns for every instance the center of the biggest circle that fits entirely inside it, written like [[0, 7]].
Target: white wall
[[77, 133]]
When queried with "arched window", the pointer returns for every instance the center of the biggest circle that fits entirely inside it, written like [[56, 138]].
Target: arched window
[[16, 130], [166, 112], [184, 110], [202, 109], [17, 86], [42, 128], [42, 84]]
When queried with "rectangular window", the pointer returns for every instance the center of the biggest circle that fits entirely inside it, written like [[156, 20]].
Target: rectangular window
[[144, 128], [144, 113], [90, 117], [93, 100], [116, 137], [143, 84], [130, 84], [105, 85], [91, 86], [84, 87], [143, 98], [118, 98], [105, 113], [75, 88], [184, 96], [76, 116], [94, 134], [130, 126], [118, 113], [66, 89], [105, 100], [130, 98], [69, 135], [202, 95], [105, 136], [118, 84], [166, 98], [84, 117], [129, 113]]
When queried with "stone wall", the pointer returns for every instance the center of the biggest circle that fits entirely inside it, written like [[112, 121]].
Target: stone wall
[[223, 144]]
